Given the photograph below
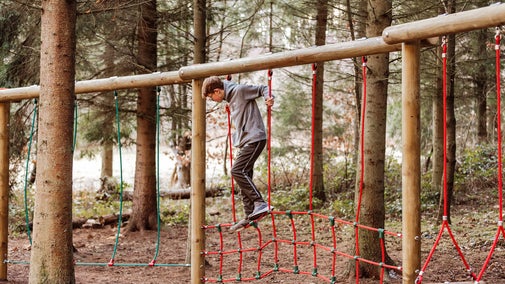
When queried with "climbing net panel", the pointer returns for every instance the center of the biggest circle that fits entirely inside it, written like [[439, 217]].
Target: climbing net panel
[[141, 257], [296, 242]]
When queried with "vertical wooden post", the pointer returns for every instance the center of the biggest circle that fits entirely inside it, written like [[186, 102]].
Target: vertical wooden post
[[411, 164], [197, 184], [4, 187], [198, 160]]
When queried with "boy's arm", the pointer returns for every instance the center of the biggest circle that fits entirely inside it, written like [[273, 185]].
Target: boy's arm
[[269, 100], [252, 92]]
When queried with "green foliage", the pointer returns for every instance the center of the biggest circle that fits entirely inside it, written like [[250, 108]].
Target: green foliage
[[339, 175], [175, 213], [393, 186], [89, 204], [17, 210], [289, 168], [95, 209], [477, 168], [19, 44], [343, 206], [296, 199], [429, 197], [99, 127]]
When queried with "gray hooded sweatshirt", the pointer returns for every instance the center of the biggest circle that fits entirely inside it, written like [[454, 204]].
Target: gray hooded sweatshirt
[[245, 114]]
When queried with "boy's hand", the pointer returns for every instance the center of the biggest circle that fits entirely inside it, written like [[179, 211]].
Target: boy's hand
[[269, 102]]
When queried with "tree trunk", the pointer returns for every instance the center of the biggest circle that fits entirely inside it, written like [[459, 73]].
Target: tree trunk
[[144, 196], [181, 177], [480, 82], [372, 206], [438, 124], [107, 160], [108, 120], [52, 258], [357, 31], [317, 175]]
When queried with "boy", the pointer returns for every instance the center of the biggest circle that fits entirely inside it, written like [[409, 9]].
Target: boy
[[249, 137]]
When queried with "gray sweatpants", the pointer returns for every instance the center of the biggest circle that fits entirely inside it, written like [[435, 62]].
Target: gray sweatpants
[[242, 172]]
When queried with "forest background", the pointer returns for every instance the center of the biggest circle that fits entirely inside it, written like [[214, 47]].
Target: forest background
[[110, 43]]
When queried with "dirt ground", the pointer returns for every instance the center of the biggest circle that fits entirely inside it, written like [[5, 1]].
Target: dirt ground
[[137, 249]]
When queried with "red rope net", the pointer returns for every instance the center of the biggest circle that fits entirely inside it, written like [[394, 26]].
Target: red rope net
[[323, 241]]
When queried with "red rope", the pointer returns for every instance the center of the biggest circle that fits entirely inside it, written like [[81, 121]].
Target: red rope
[[260, 249], [269, 137], [312, 151], [313, 135], [269, 182], [221, 248], [383, 257], [500, 170], [362, 164], [445, 222], [498, 96], [234, 216]]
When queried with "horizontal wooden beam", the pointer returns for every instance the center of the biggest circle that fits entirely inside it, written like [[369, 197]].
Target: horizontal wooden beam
[[302, 56], [185, 74], [99, 85], [491, 16]]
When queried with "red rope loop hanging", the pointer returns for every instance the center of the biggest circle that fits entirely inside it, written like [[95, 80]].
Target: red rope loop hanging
[[269, 167], [444, 122], [233, 212], [500, 230], [498, 97], [312, 161], [313, 135], [445, 223], [269, 139], [362, 167]]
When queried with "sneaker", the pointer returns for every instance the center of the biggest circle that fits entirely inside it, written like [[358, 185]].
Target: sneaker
[[240, 225], [260, 210]]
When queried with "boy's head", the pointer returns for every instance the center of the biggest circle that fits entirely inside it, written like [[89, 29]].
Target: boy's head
[[210, 85]]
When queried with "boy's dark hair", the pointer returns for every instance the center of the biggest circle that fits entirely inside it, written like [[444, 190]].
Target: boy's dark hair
[[210, 84]]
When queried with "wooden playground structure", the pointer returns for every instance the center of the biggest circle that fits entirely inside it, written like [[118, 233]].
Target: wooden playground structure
[[407, 38]]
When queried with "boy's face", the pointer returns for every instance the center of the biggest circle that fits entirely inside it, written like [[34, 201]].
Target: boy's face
[[217, 95]]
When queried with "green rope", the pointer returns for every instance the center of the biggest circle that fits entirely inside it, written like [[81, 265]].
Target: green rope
[[120, 181], [27, 220], [75, 126], [78, 263], [135, 264], [157, 175]]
